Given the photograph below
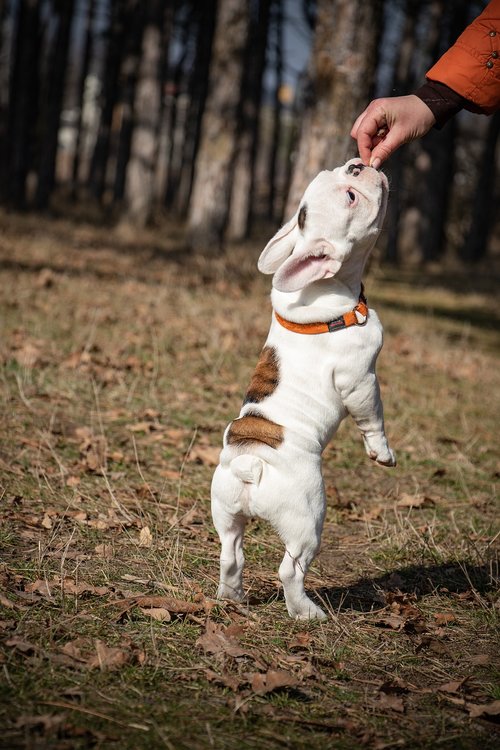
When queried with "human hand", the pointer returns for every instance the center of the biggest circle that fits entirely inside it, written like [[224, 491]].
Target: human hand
[[388, 123]]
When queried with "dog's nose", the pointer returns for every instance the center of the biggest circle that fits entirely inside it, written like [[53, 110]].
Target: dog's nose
[[355, 169]]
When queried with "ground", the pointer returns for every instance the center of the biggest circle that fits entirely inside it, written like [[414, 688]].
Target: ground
[[122, 360]]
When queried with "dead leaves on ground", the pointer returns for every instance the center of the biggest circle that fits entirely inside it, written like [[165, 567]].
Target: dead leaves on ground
[[247, 670]]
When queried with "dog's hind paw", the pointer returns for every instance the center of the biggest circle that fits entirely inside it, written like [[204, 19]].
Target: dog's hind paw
[[306, 610], [228, 592]]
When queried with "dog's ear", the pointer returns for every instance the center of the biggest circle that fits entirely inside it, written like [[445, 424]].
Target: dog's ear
[[279, 247], [317, 260]]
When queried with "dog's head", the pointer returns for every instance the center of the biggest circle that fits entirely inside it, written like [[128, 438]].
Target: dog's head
[[340, 214]]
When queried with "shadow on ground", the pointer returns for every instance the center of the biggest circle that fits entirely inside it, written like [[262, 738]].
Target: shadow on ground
[[421, 580]]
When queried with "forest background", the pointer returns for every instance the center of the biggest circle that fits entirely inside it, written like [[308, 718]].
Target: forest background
[[148, 151], [220, 114]]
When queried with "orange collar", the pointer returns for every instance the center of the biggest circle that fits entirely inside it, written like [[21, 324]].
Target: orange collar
[[356, 317]]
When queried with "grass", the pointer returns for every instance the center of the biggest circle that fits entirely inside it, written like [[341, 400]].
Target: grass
[[122, 360]]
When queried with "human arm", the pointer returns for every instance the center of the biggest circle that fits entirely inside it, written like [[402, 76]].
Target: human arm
[[466, 76]]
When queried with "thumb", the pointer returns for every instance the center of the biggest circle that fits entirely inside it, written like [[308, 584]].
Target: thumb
[[387, 146]]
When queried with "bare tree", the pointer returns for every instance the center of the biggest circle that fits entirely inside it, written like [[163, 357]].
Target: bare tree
[[244, 167], [108, 98], [180, 194], [141, 167], [53, 101], [483, 207], [82, 78], [342, 72], [214, 165], [23, 100]]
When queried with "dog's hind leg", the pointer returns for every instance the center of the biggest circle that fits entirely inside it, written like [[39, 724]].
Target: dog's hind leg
[[301, 535], [230, 529]]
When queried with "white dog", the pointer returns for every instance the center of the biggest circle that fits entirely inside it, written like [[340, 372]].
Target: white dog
[[317, 366]]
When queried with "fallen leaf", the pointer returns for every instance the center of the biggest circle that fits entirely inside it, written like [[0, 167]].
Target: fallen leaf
[[108, 657], [225, 679], [140, 427], [454, 686], [47, 721], [157, 613], [391, 701], [145, 537], [216, 641], [28, 356], [395, 622], [38, 587], [208, 455], [480, 659], [444, 618], [73, 649], [20, 645], [5, 602], [414, 501], [477, 711], [47, 521], [273, 679], [105, 551], [300, 640]]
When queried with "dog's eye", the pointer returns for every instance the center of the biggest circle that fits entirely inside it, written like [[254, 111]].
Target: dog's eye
[[351, 197]]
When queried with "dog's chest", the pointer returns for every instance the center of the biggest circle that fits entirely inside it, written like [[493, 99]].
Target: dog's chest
[[296, 381]]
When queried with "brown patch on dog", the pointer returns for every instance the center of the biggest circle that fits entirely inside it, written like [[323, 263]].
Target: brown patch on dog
[[266, 377], [255, 428], [302, 217]]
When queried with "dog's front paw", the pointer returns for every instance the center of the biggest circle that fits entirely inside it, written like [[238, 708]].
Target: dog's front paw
[[386, 458], [378, 450]]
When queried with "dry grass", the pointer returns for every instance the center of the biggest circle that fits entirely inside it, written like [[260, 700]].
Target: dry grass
[[122, 361]]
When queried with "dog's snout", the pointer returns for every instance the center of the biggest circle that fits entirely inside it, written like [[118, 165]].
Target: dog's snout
[[355, 169]]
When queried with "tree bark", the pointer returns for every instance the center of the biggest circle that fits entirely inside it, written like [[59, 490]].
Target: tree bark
[[342, 71], [198, 91], [213, 174], [147, 111], [81, 95], [110, 89], [53, 102], [23, 101], [483, 208], [402, 84], [277, 108], [132, 39], [244, 168], [438, 150]]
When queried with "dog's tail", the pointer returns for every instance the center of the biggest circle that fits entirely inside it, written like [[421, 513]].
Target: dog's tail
[[247, 468]]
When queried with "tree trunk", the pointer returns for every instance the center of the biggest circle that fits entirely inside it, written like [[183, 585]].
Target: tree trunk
[[213, 175], [135, 17], [110, 89], [5, 47], [244, 169], [56, 77], [81, 95], [198, 90], [23, 100], [342, 73], [438, 151], [277, 108], [147, 111], [174, 150], [483, 207], [402, 84]]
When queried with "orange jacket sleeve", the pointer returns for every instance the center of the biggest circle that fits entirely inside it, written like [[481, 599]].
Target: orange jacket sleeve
[[471, 67]]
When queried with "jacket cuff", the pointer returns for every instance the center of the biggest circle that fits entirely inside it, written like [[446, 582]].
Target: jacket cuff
[[442, 101]]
